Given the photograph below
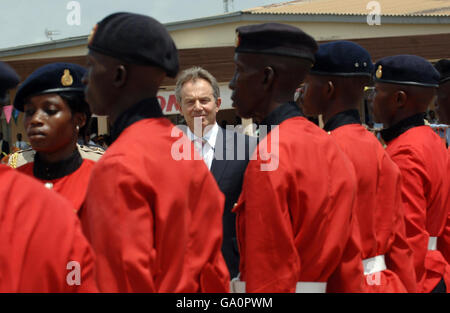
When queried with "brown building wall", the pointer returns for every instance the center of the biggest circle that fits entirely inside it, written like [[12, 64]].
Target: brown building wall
[[219, 60]]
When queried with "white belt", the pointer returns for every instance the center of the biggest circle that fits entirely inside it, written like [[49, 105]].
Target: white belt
[[374, 265], [432, 243], [238, 286], [310, 287]]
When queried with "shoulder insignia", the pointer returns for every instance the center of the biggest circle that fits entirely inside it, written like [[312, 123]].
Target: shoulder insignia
[[21, 157], [90, 152]]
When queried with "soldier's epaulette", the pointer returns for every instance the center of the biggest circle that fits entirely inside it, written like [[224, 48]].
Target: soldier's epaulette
[[21, 157], [90, 152]]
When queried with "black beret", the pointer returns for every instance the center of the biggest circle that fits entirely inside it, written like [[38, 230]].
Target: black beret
[[50, 78], [275, 39], [406, 70], [8, 78], [136, 39], [342, 58], [443, 67]]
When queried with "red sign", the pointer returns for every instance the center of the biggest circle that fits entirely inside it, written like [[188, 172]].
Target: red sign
[[169, 104]]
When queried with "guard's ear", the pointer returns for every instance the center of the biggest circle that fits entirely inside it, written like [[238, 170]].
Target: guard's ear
[[269, 76], [400, 98], [79, 119], [329, 89], [121, 75]]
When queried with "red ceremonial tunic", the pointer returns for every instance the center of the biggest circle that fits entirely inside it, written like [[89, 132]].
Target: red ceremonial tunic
[[39, 238], [295, 210], [422, 159], [379, 205], [444, 239], [154, 221], [72, 186]]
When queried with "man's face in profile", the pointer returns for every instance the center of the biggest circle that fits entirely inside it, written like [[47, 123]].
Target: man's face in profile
[[246, 85]]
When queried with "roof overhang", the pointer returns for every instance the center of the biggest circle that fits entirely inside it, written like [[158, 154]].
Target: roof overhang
[[236, 17]]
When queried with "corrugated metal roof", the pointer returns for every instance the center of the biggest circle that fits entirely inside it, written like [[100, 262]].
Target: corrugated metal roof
[[357, 7]]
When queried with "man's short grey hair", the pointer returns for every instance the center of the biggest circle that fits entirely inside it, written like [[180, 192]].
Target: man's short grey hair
[[192, 74]]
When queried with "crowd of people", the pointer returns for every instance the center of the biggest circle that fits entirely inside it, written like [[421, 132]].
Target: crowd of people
[[204, 208]]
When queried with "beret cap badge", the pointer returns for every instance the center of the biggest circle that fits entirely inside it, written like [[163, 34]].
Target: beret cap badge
[[379, 72], [237, 40], [66, 79], [92, 34]]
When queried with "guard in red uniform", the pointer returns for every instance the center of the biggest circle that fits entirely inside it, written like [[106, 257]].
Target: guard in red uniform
[[335, 89], [52, 100], [405, 85], [42, 248], [294, 215], [444, 239], [153, 211], [443, 110]]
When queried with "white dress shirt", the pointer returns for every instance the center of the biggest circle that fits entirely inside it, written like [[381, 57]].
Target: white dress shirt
[[209, 142]]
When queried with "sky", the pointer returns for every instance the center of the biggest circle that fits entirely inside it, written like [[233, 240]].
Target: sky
[[24, 22]]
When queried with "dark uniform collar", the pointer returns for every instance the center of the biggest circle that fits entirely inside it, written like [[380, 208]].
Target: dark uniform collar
[[343, 118], [49, 171], [146, 108], [281, 113], [393, 132]]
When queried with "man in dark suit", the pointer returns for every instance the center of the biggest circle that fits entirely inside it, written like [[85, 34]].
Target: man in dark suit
[[4, 145], [225, 151]]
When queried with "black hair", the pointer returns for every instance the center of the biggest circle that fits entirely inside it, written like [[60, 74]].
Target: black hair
[[77, 104]]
